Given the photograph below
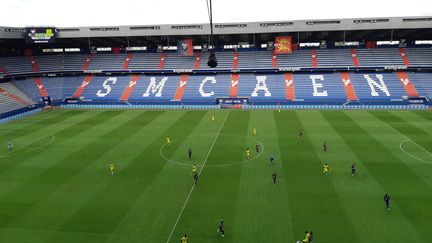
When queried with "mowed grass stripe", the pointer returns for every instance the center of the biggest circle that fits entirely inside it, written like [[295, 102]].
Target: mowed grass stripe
[[42, 218], [412, 132], [160, 203], [302, 172], [425, 114], [409, 192], [262, 209], [43, 144], [218, 187], [37, 122], [38, 139], [15, 203], [359, 194], [143, 169]]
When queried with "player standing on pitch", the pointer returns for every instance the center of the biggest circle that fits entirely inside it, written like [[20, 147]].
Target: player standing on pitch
[[353, 169], [325, 147], [274, 176], [387, 201], [10, 146], [189, 153], [195, 176], [326, 169], [300, 135], [184, 239], [257, 148], [221, 228]]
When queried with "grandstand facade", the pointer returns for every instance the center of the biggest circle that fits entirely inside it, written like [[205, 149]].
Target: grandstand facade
[[349, 62]]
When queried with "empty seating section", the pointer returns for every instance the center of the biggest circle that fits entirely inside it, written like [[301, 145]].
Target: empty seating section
[[419, 56], [377, 86], [247, 60], [326, 58], [50, 63], [28, 87], [207, 87], [143, 61], [319, 87], [8, 103], [156, 88], [300, 58], [224, 59], [275, 91], [175, 61], [54, 87], [423, 83], [379, 57], [74, 62], [9, 87], [107, 62], [16, 65], [106, 88], [71, 84], [334, 58]]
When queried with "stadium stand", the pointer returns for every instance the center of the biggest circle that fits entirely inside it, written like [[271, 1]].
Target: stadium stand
[[325, 58], [12, 99]]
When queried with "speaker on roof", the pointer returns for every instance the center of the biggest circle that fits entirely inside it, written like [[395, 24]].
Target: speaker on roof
[[212, 61]]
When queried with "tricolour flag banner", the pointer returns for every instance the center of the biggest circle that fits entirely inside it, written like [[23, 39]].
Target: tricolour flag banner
[[185, 47], [283, 45]]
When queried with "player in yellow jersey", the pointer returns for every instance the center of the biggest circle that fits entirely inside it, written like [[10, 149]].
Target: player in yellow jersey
[[184, 239], [213, 118], [254, 132], [194, 169], [307, 238], [247, 153], [168, 140], [111, 166], [326, 169]]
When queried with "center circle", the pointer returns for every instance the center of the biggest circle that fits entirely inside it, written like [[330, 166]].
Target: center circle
[[200, 158]]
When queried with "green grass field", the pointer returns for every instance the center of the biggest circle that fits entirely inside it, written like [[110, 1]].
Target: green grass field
[[56, 185]]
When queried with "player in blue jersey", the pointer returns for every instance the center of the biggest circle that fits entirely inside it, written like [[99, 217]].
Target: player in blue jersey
[[271, 158], [387, 201]]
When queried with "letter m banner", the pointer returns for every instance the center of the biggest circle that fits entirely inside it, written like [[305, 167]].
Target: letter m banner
[[283, 45]]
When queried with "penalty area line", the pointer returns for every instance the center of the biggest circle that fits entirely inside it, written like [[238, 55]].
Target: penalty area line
[[193, 186]]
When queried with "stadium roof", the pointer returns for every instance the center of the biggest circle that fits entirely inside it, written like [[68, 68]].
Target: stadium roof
[[22, 13]]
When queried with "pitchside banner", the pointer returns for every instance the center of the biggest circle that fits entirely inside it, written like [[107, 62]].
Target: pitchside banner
[[40, 35], [185, 47], [283, 45]]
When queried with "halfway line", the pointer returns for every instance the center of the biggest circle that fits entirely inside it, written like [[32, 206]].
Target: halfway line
[[193, 186]]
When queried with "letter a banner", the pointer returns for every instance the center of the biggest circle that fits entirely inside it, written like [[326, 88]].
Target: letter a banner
[[283, 45], [184, 47]]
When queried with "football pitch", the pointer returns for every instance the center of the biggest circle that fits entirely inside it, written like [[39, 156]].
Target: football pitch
[[56, 185]]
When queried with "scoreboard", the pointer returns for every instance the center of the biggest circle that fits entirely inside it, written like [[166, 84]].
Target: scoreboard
[[38, 35]]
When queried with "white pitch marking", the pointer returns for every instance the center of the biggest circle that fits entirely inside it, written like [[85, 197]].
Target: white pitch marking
[[193, 186]]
